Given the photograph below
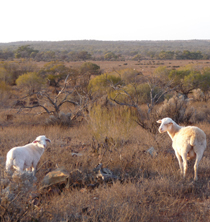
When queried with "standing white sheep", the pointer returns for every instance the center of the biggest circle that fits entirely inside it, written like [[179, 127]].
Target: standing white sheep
[[28, 156], [188, 143]]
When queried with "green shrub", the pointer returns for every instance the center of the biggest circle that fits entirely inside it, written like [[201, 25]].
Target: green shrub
[[90, 67], [31, 81], [110, 56], [162, 72], [139, 94], [55, 72], [11, 70], [127, 75], [101, 84]]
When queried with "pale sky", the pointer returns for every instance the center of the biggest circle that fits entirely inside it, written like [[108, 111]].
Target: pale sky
[[58, 20]]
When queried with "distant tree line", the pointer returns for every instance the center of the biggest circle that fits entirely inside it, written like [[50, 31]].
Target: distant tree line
[[111, 51], [186, 54]]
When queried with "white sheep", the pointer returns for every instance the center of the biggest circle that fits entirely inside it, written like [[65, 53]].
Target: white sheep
[[28, 156], [188, 142]]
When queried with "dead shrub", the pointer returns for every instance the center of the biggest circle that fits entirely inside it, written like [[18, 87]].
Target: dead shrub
[[198, 95], [202, 114], [63, 119], [177, 108]]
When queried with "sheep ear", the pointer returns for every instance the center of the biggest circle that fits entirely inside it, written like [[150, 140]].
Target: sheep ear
[[159, 121], [35, 141]]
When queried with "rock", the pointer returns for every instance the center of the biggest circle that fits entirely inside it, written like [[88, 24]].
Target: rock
[[104, 173], [76, 154], [152, 151], [55, 177]]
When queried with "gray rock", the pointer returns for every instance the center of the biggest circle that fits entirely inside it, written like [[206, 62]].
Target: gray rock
[[152, 151]]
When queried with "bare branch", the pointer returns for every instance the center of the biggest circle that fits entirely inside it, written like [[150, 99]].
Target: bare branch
[[61, 91], [123, 104], [31, 107], [67, 101]]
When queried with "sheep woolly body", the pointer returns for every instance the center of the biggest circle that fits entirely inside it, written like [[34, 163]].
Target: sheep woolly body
[[28, 156], [188, 143]]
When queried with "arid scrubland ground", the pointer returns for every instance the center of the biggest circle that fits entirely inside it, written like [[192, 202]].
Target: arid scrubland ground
[[144, 187]]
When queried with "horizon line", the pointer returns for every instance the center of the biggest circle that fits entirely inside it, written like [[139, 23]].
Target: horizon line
[[105, 40]]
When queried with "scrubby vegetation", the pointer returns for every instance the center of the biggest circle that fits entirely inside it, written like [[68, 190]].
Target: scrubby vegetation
[[106, 50], [115, 166]]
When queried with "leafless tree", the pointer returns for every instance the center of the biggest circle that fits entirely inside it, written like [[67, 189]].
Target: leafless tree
[[51, 104]]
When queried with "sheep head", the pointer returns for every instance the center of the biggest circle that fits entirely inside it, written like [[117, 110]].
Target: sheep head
[[41, 141], [166, 124]]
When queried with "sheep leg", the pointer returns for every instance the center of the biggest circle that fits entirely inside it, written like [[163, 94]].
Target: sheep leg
[[9, 164], [34, 172], [180, 162], [184, 158], [197, 160], [28, 169], [18, 168], [18, 165]]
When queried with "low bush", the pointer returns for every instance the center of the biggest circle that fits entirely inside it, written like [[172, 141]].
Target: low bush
[[101, 84], [31, 81], [63, 119], [138, 93], [177, 108]]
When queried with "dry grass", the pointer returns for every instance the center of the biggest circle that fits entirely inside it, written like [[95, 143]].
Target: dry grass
[[145, 66], [147, 189]]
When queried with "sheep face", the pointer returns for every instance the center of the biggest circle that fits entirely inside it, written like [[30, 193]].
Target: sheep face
[[41, 141], [166, 124]]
